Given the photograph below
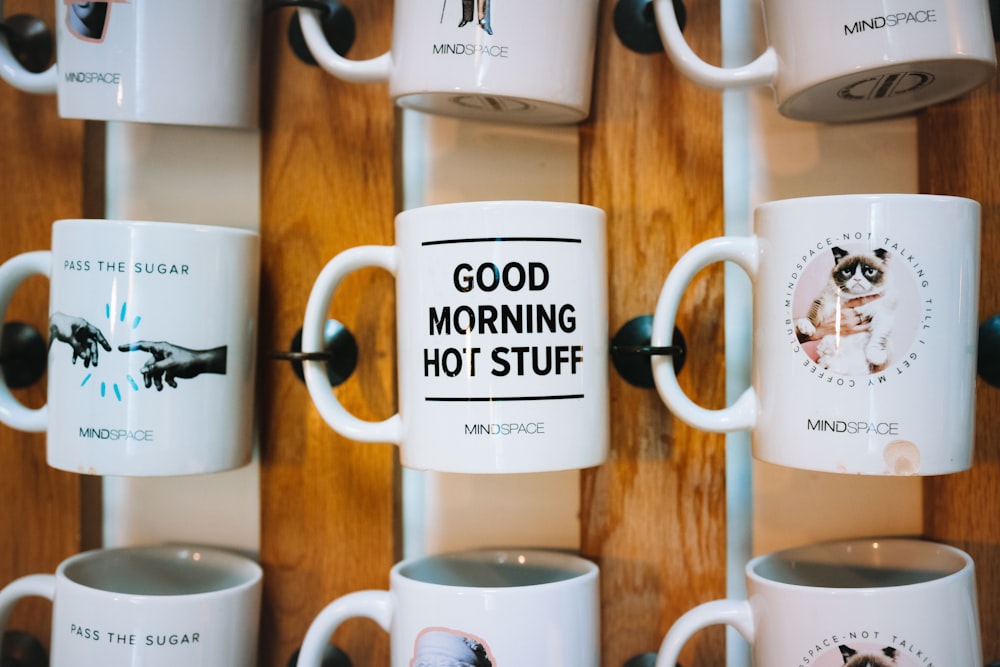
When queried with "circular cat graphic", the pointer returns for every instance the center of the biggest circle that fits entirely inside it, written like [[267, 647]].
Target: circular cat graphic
[[865, 655], [855, 310]]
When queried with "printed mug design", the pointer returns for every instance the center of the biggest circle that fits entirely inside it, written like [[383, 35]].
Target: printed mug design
[[88, 21], [167, 362], [858, 319], [895, 83], [857, 312], [478, 12], [469, 14], [443, 647], [880, 650]]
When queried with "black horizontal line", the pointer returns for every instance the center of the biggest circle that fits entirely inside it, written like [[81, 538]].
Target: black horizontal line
[[503, 239], [488, 399]]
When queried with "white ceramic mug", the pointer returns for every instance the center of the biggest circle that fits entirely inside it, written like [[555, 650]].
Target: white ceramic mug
[[502, 341], [158, 606], [152, 331], [486, 608], [868, 602], [518, 61], [183, 62], [865, 319], [854, 60]]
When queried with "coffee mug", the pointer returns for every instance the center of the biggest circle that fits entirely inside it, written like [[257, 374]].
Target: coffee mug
[[156, 606], [854, 60], [487, 608], [152, 330], [501, 60], [183, 62], [854, 603], [864, 333], [502, 343]]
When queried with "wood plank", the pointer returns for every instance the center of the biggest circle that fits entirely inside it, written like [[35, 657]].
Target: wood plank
[[959, 154], [330, 507], [42, 181], [654, 515]]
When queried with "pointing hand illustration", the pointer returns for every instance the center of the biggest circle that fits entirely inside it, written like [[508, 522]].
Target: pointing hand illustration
[[79, 334], [170, 362]]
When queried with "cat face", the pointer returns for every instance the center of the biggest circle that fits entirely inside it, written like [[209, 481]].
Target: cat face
[[887, 658], [859, 274]]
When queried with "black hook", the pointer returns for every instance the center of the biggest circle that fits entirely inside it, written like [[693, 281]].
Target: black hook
[[340, 352], [30, 41], [635, 24], [20, 649], [630, 351], [23, 354], [336, 19], [988, 363]]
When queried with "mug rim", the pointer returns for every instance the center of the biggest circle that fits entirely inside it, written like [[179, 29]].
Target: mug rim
[[499, 204], [922, 549], [576, 567], [863, 197], [122, 223], [248, 572]]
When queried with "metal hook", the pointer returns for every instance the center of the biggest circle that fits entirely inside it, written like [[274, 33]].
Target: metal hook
[[340, 352], [630, 351]]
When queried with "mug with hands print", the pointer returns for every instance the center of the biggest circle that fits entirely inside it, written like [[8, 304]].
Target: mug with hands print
[[152, 330]]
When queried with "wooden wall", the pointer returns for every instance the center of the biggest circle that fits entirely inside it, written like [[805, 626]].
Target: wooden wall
[[654, 515], [959, 149], [330, 507]]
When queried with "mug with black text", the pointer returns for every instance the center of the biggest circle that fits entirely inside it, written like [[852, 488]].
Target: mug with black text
[[152, 333], [854, 60], [892, 602], [482, 608], [183, 62], [156, 606], [501, 333], [518, 61], [865, 328]]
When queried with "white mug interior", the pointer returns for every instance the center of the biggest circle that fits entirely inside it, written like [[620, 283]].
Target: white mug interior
[[160, 571], [496, 569], [857, 564]]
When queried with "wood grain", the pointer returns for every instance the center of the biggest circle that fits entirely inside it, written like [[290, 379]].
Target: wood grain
[[654, 515], [43, 174], [959, 154], [330, 506]]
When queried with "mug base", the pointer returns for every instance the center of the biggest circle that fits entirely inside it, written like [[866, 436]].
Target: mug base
[[494, 108], [884, 92]]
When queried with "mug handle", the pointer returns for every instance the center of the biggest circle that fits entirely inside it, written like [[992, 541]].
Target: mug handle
[[761, 71], [743, 251], [12, 273], [317, 381], [33, 585], [376, 605], [11, 71], [736, 613], [373, 70]]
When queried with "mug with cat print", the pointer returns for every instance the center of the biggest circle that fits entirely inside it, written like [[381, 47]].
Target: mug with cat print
[[853, 603], [864, 333]]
